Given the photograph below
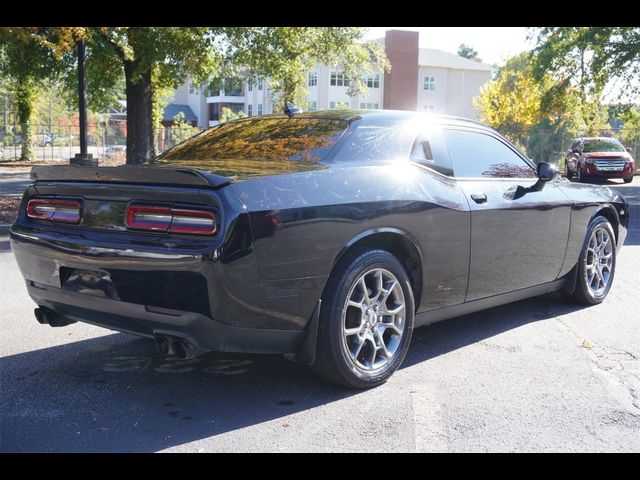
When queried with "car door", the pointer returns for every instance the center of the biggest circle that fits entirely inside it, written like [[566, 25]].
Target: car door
[[517, 241]]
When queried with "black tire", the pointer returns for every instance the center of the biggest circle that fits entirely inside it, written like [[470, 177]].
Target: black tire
[[583, 294], [628, 180], [333, 361], [568, 172]]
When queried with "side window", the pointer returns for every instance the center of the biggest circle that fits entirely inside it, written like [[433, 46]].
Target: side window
[[430, 150], [475, 154]]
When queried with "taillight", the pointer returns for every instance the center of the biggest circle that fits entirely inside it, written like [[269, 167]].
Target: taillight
[[66, 211], [173, 220]]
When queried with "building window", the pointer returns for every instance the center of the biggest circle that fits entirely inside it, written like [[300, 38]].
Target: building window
[[429, 83], [259, 84], [259, 109], [193, 89], [249, 110], [250, 85], [338, 105], [338, 80], [313, 79], [372, 80], [311, 106], [428, 108], [369, 106]]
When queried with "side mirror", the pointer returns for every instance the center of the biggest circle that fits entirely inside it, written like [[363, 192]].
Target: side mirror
[[546, 171], [629, 149]]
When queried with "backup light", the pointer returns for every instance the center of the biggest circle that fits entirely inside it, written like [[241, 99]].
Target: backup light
[[168, 219], [65, 211]]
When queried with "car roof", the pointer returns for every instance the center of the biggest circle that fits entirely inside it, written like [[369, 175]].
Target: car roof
[[382, 117]]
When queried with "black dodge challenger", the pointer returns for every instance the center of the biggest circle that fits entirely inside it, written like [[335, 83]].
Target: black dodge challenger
[[325, 236]]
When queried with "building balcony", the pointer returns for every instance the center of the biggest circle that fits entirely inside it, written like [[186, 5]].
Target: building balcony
[[226, 99]]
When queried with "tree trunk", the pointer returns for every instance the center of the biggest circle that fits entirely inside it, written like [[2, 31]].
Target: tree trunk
[[25, 94], [140, 146]]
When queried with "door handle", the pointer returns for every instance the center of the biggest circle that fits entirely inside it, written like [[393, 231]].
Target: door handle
[[479, 197]]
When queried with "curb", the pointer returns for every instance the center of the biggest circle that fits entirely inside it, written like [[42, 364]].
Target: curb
[[4, 229]]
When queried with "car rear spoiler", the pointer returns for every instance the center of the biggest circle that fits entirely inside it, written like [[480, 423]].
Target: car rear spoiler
[[143, 174]]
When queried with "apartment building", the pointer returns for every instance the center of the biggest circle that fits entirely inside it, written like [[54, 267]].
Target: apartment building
[[421, 79]]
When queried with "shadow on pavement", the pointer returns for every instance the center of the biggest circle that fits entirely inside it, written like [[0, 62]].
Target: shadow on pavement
[[116, 393]]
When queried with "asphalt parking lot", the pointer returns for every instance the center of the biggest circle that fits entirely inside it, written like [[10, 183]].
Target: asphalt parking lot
[[536, 375]]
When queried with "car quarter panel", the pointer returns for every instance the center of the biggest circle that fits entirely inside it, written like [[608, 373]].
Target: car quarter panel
[[156, 269], [587, 201], [302, 222]]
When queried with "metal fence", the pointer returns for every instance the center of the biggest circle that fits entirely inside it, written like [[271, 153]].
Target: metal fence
[[107, 142], [57, 143]]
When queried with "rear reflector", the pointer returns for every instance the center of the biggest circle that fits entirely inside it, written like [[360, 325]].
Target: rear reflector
[[173, 220], [66, 211]]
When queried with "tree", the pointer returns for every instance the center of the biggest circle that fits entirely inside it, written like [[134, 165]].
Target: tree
[[150, 59], [181, 129], [154, 59], [591, 57], [24, 64], [286, 54], [228, 115], [468, 52], [534, 114]]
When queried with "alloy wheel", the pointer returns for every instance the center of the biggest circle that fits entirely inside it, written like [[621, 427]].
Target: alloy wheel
[[598, 262], [373, 320]]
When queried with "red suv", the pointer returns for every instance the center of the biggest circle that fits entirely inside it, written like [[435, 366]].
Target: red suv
[[599, 157]]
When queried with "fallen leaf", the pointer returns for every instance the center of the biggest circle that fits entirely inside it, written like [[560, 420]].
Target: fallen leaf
[[285, 424], [586, 344]]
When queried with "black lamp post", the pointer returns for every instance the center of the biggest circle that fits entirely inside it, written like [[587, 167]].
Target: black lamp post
[[82, 158]]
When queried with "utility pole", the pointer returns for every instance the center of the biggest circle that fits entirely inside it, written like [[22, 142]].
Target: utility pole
[[82, 158]]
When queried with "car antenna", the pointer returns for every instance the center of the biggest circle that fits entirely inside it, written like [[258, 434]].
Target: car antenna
[[290, 109]]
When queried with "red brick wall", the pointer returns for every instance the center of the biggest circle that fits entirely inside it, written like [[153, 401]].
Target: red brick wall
[[401, 83]]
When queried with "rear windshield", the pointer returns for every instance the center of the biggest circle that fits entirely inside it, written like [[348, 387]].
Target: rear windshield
[[602, 145], [277, 140]]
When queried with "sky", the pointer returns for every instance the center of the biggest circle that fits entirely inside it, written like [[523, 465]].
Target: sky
[[494, 44]]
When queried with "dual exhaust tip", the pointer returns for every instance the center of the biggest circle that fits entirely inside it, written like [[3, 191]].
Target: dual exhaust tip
[[178, 347], [46, 316], [167, 345]]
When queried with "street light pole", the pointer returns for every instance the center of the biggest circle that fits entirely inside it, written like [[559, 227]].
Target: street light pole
[[83, 158]]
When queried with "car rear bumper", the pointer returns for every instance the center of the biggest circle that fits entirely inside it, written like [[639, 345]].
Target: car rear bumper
[[215, 303], [199, 330]]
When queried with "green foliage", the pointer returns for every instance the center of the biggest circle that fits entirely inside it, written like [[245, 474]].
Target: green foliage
[[589, 57], [157, 59], [468, 52], [24, 64], [181, 129], [536, 115], [286, 54], [228, 115]]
